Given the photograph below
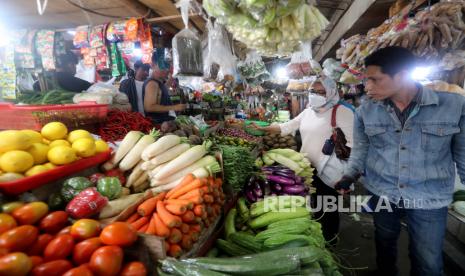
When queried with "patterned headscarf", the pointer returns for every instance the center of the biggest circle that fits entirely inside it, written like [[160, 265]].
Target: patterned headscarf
[[332, 95]]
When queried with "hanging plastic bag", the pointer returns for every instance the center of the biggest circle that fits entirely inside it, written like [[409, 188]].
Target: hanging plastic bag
[[187, 47], [300, 65], [225, 55], [252, 67]]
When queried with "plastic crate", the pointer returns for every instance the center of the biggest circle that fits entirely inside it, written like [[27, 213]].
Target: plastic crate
[[28, 183], [75, 116]]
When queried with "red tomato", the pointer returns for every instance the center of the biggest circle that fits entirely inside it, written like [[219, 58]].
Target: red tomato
[[39, 246], [134, 269], [85, 229], [54, 222], [30, 213], [19, 238], [117, 173], [59, 248], [7, 222], [17, 264], [36, 260], [82, 270], [84, 250], [107, 260], [119, 233], [53, 268], [66, 230], [3, 251]]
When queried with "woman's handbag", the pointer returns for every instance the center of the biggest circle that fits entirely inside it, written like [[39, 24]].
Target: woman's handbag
[[339, 139]]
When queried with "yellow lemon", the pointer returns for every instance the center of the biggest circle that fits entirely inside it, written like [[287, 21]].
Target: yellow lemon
[[36, 170], [54, 131], [35, 136], [61, 155], [49, 165], [84, 147], [78, 134], [59, 142], [14, 140], [101, 146], [39, 153], [16, 161]]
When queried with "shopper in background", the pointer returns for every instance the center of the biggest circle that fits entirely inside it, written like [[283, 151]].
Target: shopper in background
[[314, 124], [132, 86], [65, 71], [407, 141], [157, 103]]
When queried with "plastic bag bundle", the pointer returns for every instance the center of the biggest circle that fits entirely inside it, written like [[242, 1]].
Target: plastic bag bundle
[[253, 69], [300, 65], [333, 68], [187, 48]]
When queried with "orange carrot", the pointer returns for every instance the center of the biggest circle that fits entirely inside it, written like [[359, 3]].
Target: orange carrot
[[143, 229], [147, 207], [186, 180], [140, 222], [161, 229], [186, 242], [152, 229], [208, 198], [195, 199], [186, 189], [185, 228], [176, 209], [204, 181], [175, 236], [199, 210], [133, 218], [175, 251], [169, 219], [188, 217], [196, 228], [189, 205]]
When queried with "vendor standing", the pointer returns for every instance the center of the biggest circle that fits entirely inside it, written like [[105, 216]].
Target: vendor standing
[[315, 126], [132, 86], [66, 71], [157, 103]]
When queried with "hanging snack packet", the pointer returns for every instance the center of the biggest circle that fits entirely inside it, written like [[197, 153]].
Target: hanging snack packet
[[131, 29], [81, 38]]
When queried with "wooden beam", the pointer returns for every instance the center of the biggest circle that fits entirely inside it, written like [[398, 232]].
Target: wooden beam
[[353, 13], [168, 18]]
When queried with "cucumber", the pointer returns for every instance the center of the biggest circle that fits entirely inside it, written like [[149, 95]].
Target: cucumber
[[231, 248], [230, 225], [243, 210], [246, 240], [186, 269], [271, 217], [213, 252], [304, 220], [272, 203], [293, 244], [285, 238], [251, 266]]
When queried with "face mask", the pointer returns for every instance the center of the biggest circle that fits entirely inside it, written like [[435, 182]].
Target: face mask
[[316, 100]]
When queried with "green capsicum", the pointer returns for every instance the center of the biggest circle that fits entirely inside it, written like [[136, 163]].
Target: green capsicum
[[73, 186], [109, 187]]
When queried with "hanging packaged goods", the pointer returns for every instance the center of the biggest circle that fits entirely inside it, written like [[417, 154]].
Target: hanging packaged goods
[[271, 27]]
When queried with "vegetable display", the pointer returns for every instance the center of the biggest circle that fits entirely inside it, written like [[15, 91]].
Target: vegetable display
[[272, 27], [276, 141], [238, 165], [290, 159], [180, 214], [47, 244], [119, 123], [48, 97]]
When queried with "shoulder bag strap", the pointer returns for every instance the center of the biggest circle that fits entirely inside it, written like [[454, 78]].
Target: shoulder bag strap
[[333, 116]]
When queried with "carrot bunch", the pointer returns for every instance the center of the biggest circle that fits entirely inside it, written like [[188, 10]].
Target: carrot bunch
[[181, 214]]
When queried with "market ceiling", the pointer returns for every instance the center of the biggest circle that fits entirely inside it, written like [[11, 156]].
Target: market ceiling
[[72, 13]]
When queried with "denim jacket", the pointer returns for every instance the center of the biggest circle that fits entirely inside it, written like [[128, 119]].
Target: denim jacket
[[414, 163]]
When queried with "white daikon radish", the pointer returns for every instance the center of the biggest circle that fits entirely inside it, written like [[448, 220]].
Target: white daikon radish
[[157, 169], [170, 154], [134, 156], [129, 141], [147, 166], [144, 177], [184, 160], [207, 171], [160, 146], [167, 187], [204, 162], [114, 207], [135, 174]]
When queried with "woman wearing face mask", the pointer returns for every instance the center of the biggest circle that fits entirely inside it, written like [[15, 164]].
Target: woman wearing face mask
[[314, 124]]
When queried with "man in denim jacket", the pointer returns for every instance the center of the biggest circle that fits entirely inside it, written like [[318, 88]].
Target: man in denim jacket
[[408, 140]]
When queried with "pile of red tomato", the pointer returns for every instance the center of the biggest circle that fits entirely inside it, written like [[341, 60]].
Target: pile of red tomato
[[36, 242]]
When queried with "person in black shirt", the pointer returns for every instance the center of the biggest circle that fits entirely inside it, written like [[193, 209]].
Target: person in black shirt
[[66, 69]]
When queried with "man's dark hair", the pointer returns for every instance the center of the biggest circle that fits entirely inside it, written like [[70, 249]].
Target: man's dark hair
[[140, 65], [66, 59], [392, 60]]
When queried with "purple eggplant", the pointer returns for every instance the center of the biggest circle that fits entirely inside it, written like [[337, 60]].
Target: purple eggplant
[[284, 174], [266, 188], [280, 179], [276, 187], [257, 190], [294, 189], [250, 196], [299, 179]]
